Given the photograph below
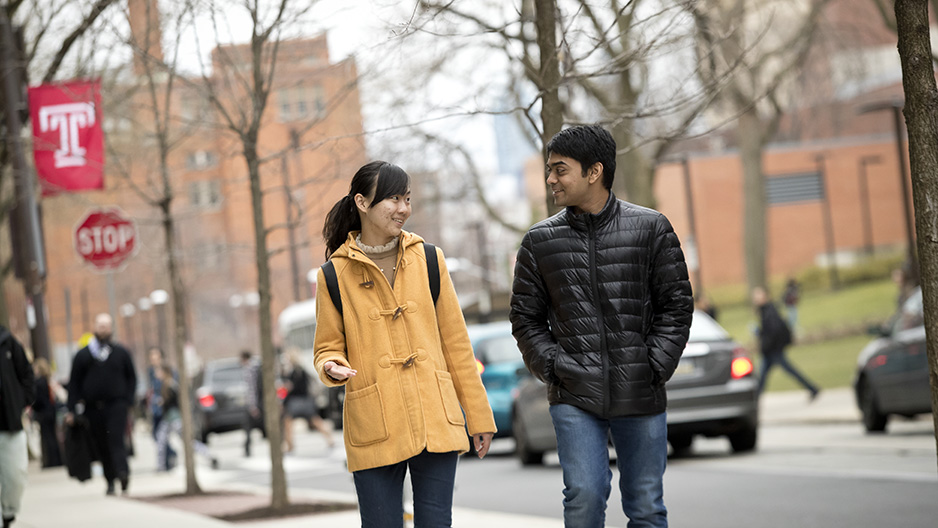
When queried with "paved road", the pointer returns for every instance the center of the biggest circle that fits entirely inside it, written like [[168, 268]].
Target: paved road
[[806, 475]]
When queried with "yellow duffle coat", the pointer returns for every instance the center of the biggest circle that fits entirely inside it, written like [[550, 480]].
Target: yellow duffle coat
[[416, 370]]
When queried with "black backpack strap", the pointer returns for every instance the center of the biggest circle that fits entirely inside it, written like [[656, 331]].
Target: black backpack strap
[[433, 270], [332, 284]]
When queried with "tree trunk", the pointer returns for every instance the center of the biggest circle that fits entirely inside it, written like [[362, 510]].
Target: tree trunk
[[545, 18], [179, 319], [921, 105], [634, 174], [278, 487], [749, 135]]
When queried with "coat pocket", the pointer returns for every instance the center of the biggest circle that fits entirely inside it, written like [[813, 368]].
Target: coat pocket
[[450, 400], [364, 417]]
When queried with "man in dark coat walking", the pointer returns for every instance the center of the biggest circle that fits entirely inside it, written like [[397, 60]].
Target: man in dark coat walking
[[104, 381], [601, 308], [774, 338], [17, 391]]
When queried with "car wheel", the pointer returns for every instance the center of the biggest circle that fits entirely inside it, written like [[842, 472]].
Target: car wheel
[[873, 419], [526, 455], [745, 440], [681, 444]]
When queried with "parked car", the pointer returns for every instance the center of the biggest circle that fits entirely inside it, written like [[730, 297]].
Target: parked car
[[499, 361], [220, 396], [714, 392], [892, 370]]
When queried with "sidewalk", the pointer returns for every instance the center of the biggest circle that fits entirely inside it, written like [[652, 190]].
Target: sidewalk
[[52, 500]]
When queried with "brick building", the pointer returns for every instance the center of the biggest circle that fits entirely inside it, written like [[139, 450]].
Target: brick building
[[310, 143]]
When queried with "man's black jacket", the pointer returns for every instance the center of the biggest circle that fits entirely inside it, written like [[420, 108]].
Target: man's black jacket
[[17, 387], [601, 308]]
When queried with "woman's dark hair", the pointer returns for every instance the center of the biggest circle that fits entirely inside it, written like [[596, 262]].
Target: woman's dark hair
[[384, 178], [588, 145]]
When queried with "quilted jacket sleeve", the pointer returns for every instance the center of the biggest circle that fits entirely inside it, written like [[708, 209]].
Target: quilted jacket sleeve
[[530, 306], [672, 302]]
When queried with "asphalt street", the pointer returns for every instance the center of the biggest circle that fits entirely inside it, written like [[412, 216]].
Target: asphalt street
[[809, 475]]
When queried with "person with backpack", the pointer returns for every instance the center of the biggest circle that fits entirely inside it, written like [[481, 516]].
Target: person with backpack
[[390, 329], [774, 338]]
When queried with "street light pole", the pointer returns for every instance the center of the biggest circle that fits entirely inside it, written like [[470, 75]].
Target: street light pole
[[866, 215], [896, 108], [159, 299], [693, 244], [24, 218], [828, 225]]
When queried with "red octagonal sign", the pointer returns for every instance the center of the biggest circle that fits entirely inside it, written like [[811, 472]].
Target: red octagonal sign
[[105, 238]]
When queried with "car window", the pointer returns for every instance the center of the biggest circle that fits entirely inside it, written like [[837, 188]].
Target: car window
[[500, 349], [226, 376], [912, 313], [704, 328]]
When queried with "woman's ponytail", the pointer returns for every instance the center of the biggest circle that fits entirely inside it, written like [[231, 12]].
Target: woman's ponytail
[[342, 218]]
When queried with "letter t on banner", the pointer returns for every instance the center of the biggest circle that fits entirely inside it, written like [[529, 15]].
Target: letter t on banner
[[68, 141]]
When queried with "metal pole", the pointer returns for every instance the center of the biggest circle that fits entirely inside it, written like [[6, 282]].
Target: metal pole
[[291, 231], [68, 319], [85, 312], [828, 225], [25, 209], [866, 214], [112, 300], [906, 192], [692, 224]]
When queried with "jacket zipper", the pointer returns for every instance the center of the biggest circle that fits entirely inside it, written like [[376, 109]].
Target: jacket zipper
[[594, 285]]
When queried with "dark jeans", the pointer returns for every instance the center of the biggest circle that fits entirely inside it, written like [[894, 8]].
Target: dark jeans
[[778, 358], [641, 444], [381, 492], [108, 421]]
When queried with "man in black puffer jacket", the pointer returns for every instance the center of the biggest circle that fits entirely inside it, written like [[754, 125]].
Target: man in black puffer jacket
[[601, 308]]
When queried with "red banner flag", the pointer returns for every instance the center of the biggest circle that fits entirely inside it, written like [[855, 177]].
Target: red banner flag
[[68, 142]]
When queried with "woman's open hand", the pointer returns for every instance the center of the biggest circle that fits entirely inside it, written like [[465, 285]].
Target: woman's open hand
[[338, 372]]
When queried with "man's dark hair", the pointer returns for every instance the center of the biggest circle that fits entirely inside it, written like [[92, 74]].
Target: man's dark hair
[[588, 144]]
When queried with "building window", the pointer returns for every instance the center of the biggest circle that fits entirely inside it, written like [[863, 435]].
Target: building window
[[792, 188], [205, 194], [201, 160], [301, 102]]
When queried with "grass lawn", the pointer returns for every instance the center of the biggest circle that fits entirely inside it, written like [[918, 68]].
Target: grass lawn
[[830, 362]]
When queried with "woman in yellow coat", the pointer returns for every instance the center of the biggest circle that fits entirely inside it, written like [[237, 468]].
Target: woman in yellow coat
[[411, 383]]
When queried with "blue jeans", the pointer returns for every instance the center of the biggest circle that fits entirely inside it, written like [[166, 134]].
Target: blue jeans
[[381, 492], [641, 444]]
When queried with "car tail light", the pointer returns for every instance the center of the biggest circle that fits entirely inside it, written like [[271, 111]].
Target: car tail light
[[281, 392], [207, 400], [480, 366], [742, 365]]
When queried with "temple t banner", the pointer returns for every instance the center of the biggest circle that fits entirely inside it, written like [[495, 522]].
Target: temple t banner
[[68, 142]]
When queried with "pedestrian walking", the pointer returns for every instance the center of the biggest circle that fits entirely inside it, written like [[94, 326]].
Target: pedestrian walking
[[601, 308], [774, 338], [45, 412], [171, 423], [17, 391], [154, 398], [299, 403], [389, 328], [253, 398], [102, 386]]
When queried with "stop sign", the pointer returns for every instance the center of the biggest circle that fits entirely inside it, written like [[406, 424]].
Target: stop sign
[[105, 238]]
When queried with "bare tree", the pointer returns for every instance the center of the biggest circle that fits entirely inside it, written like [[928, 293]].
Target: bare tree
[[153, 106], [239, 89], [744, 39], [595, 62], [921, 95]]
